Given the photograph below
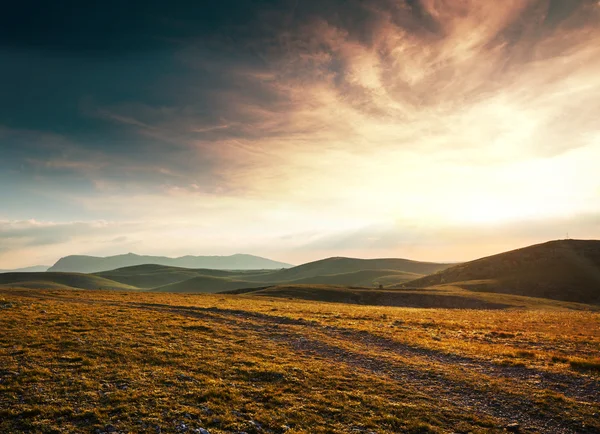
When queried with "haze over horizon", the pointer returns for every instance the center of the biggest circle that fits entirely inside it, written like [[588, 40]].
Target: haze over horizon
[[296, 130]]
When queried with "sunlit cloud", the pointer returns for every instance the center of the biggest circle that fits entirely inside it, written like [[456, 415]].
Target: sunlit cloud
[[420, 117]]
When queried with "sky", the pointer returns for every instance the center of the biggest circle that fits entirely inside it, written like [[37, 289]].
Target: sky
[[297, 129]]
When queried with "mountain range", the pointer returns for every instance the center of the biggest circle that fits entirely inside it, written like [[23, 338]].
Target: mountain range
[[94, 264], [561, 270]]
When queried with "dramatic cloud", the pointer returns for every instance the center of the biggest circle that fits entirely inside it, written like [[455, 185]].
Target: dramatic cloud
[[279, 127]]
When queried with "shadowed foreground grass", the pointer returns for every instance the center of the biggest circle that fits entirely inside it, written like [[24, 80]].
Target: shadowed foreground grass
[[75, 361]]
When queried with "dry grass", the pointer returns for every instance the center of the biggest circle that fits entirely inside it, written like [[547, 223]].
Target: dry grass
[[566, 270], [100, 361]]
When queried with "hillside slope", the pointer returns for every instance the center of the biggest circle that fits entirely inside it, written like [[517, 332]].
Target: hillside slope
[[339, 265], [210, 284], [334, 271], [206, 284], [368, 278], [60, 280], [154, 276], [208, 281], [566, 270], [94, 264]]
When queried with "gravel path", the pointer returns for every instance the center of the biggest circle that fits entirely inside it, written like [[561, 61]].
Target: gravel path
[[435, 380]]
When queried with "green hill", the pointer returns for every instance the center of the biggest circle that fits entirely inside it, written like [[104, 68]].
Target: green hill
[[336, 271], [60, 281], [338, 265], [206, 284], [227, 281], [367, 278], [209, 284], [154, 276], [165, 278], [561, 270]]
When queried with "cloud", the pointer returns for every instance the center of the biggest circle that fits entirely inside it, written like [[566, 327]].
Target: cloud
[[25, 233], [489, 83], [23, 241], [444, 241], [297, 120]]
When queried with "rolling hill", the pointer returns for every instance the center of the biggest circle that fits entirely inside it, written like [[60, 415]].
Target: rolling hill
[[60, 281], [94, 264], [369, 278], [339, 265], [211, 284], [154, 276], [566, 270], [206, 284], [336, 271]]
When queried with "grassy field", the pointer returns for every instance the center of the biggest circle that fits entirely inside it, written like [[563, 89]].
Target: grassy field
[[206, 284], [104, 361], [445, 297]]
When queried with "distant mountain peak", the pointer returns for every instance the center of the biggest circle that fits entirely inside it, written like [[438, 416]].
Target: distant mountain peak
[[94, 264]]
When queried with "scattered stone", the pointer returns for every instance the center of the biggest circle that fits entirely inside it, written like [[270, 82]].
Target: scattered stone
[[257, 426], [513, 427], [183, 377], [182, 427], [110, 428]]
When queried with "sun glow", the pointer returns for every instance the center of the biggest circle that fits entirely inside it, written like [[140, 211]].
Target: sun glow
[[327, 135]]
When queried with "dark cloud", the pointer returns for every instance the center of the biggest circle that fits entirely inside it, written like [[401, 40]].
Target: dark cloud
[[286, 99], [189, 59], [114, 27]]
